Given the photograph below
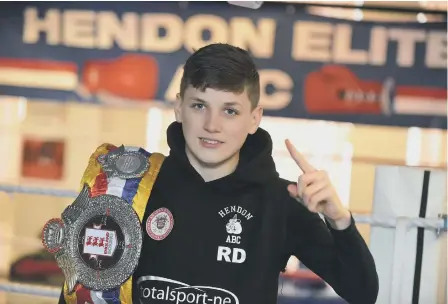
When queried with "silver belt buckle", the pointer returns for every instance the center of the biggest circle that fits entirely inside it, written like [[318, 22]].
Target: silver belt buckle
[[98, 240]]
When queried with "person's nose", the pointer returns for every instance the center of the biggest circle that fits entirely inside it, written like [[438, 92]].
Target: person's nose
[[212, 123]]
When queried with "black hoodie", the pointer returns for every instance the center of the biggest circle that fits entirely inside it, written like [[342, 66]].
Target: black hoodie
[[233, 236]]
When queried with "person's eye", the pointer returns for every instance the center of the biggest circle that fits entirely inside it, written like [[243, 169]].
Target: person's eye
[[231, 112], [198, 106]]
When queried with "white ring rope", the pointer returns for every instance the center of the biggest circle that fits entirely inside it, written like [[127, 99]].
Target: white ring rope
[[438, 224], [38, 191], [390, 222], [29, 289]]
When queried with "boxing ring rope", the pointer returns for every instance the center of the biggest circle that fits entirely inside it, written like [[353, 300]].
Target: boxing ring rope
[[401, 224], [387, 222], [30, 289], [38, 191]]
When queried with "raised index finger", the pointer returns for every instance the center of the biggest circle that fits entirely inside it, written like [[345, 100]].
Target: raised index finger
[[300, 160]]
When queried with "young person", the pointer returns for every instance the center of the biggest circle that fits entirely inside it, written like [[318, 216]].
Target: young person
[[233, 222]]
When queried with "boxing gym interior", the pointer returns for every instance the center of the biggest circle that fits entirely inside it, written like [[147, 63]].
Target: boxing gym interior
[[359, 87]]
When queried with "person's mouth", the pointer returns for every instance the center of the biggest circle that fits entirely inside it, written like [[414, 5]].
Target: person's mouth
[[209, 142]]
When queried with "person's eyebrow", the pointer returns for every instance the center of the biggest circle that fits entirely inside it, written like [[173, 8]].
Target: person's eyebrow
[[227, 104], [231, 103]]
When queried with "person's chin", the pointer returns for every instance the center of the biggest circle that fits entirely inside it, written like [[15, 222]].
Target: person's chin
[[211, 161], [209, 158]]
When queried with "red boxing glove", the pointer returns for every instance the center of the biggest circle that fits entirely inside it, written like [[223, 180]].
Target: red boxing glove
[[336, 90], [131, 76]]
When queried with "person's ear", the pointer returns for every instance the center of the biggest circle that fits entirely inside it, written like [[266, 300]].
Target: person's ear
[[256, 116], [178, 108]]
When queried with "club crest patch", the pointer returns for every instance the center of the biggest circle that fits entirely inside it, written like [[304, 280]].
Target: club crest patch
[[159, 224]]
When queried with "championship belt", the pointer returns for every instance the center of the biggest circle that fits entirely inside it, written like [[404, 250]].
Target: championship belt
[[98, 239]]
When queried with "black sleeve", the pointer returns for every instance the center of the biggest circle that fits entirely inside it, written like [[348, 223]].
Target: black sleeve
[[61, 297], [340, 257]]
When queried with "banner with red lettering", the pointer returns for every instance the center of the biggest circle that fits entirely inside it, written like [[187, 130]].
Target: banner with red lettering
[[310, 67]]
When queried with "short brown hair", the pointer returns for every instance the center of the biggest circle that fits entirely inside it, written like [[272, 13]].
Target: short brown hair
[[223, 67]]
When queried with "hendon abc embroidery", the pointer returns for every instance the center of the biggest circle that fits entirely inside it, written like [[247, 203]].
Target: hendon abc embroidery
[[236, 217], [159, 224]]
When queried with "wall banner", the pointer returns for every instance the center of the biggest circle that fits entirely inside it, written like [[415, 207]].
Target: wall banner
[[310, 67]]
